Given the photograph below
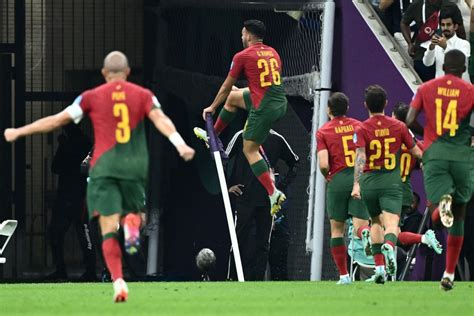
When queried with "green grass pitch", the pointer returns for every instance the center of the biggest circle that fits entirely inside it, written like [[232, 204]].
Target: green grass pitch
[[232, 298]]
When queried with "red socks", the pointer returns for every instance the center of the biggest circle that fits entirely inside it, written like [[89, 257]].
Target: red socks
[[339, 255], [113, 257], [220, 125], [453, 251], [267, 182], [408, 239]]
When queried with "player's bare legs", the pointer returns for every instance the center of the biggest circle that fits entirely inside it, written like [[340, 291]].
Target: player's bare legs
[[260, 170], [113, 255], [339, 251]]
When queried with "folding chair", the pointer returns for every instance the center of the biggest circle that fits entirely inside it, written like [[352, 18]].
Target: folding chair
[[7, 228]]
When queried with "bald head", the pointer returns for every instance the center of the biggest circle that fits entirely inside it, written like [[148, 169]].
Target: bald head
[[116, 62]]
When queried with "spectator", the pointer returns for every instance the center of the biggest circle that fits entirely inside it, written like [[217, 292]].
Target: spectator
[[425, 13], [69, 207], [443, 43], [250, 200]]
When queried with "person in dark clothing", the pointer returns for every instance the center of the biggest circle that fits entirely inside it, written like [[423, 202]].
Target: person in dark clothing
[[69, 207], [250, 200]]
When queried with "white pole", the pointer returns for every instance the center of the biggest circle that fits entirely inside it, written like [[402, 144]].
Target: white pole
[[230, 219], [319, 200]]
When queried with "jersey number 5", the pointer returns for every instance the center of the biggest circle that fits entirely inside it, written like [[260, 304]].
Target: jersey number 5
[[273, 68], [349, 154], [122, 133], [450, 118]]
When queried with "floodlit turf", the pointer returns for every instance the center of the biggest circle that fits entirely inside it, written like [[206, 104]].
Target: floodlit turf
[[251, 298]]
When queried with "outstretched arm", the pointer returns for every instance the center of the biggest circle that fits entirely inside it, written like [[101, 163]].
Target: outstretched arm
[[166, 127], [44, 125], [221, 96]]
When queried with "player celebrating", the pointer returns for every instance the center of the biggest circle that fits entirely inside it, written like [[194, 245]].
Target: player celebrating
[[336, 157], [265, 101], [119, 164], [448, 102], [377, 176], [407, 164]]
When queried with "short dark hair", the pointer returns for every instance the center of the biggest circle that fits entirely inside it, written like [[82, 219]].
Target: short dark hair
[[454, 62], [338, 103], [447, 13], [255, 27], [375, 97], [401, 110], [451, 10]]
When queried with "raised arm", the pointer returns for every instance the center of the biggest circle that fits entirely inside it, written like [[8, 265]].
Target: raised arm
[[166, 127], [41, 126]]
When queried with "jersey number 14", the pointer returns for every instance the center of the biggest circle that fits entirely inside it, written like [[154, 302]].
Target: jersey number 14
[[450, 118]]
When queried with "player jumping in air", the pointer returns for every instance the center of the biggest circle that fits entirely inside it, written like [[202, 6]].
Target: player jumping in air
[[448, 102], [264, 99], [119, 165]]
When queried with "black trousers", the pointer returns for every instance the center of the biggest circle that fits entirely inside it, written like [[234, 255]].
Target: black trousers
[[69, 211], [253, 227]]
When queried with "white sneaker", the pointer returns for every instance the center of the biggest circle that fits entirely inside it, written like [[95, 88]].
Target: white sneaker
[[120, 291]]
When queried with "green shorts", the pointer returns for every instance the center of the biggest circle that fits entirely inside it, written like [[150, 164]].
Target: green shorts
[[447, 177], [339, 203], [260, 121], [407, 190], [108, 196], [382, 191]]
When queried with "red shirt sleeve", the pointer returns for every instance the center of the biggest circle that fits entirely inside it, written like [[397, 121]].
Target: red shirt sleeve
[[321, 144], [84, 101], [148, 101], [407, 139], [417, 101], [358, 138], [237, 65]]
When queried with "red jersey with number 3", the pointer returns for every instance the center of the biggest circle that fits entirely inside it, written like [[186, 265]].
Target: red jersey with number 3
[[382, 137], [117, 110], [447, 102], [261, 66], [336, 136]]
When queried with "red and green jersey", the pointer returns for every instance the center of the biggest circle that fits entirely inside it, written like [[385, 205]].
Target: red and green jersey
[[336, 136], [447, 102], [382, 137], [407, 161], [117, 111], [261, 66]]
